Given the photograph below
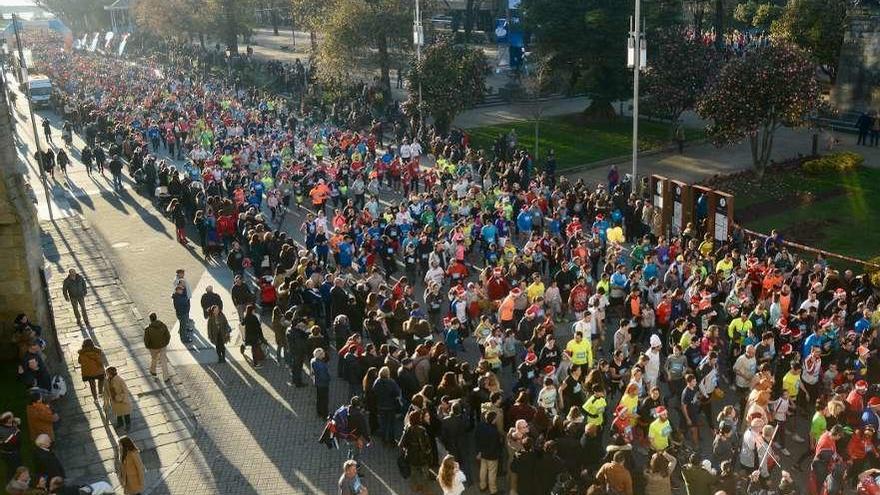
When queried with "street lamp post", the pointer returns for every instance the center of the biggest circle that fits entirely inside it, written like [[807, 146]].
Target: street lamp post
[[24, 75], [419, 40], [637, 61]]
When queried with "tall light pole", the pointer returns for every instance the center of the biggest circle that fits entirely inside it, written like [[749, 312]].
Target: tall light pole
[[636, 59], [419, 40], [24, 76]]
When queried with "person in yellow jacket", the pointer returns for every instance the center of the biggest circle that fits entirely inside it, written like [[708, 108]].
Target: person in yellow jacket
[[536, 288], [595, 406], [580, 350]]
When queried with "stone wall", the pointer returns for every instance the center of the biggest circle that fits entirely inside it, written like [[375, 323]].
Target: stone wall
[[21, 258], [858, 73]]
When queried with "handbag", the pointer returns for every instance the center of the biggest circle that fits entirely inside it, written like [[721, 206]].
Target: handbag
[[403, 466]]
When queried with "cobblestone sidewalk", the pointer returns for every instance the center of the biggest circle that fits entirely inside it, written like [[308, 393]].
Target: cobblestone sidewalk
[[163, 424]]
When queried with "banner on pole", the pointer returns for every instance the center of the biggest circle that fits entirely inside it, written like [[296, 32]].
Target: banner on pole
[[94, 44], [122, 43]]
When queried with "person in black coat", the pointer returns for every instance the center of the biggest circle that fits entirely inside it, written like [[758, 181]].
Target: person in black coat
[[388, 404], [406, 378], [489, 445], [453, 434], [525, 464], [45, 460], [298, 340]]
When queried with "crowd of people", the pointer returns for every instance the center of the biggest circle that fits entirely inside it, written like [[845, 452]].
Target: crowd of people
[[496, 324]]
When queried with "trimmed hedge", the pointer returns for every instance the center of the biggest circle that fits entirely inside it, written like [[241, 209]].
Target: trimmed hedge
[[845, 161]]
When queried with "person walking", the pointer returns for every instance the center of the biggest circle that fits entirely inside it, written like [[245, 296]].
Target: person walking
[[10, 442], [117, 397], [615, 476], [131, 467], [74, 290], [350, 483], [253, 336], [321, 377], [91, 362], [864, 123], [218, 331], [156, 339], [241, 297], [181, 310], [116, 172]]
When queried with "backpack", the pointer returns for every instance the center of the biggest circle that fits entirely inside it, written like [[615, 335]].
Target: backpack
[[340, 423]]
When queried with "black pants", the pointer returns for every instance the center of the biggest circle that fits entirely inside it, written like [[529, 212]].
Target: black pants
[[221, 353], [296, 367], [123, 420], [322, 402]]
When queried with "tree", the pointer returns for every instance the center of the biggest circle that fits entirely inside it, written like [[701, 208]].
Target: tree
[[361, 34], [81, 15], [758, 15], [677, 74], [585, 41], [309, 14], [754, 95], [816, 26], [452, 78], [174, 18]]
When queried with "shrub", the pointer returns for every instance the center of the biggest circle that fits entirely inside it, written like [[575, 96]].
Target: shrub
[[845, 161]]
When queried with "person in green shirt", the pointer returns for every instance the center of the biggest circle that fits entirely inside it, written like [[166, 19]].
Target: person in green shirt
[[595, 406], [660, 430]]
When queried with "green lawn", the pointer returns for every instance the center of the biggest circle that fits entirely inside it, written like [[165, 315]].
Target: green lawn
[[843, 223], [577, 142], [13, 397]]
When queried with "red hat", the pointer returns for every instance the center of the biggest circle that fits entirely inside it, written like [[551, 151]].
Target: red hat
[[786, 349], [549, 370], [532, 311], [516, 291], [874, 402], [459, 290], [599, 216], [660, 410], [861, 385], [782, 322], [531, 357], [498, 271], [795, 333], [785, 332]]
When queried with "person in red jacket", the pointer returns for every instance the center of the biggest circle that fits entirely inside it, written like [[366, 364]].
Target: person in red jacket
[[861, 450], [497, 287]]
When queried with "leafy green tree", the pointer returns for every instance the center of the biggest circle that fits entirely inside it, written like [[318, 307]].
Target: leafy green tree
[[757, 14], [678, 74], [81, 15], [755, 95], [361, 35], [452, 78], [310, 14], [816, 26], [585, 40]]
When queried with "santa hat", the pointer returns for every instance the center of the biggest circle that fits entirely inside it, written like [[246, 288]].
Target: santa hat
[[531, 358], [874, 402], [786, 349], [516, 291], [532, 311], [861, 385], [660, 410], [549, 370]]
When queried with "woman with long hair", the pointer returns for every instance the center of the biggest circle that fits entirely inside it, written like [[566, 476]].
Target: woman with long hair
[[450, 477], [131, 468]]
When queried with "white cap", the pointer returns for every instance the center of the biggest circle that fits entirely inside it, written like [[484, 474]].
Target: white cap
[[655, 341]]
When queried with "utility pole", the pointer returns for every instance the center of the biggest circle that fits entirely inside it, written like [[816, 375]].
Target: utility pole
[[419, 40], [24, 76], [637, 61]]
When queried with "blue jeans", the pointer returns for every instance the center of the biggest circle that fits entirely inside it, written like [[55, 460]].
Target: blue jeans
[[387, 423]]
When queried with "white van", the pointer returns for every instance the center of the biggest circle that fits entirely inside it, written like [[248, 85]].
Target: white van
[[40, 90]]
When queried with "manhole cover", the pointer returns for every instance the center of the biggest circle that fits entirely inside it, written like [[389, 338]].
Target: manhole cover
[[120, 245]]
